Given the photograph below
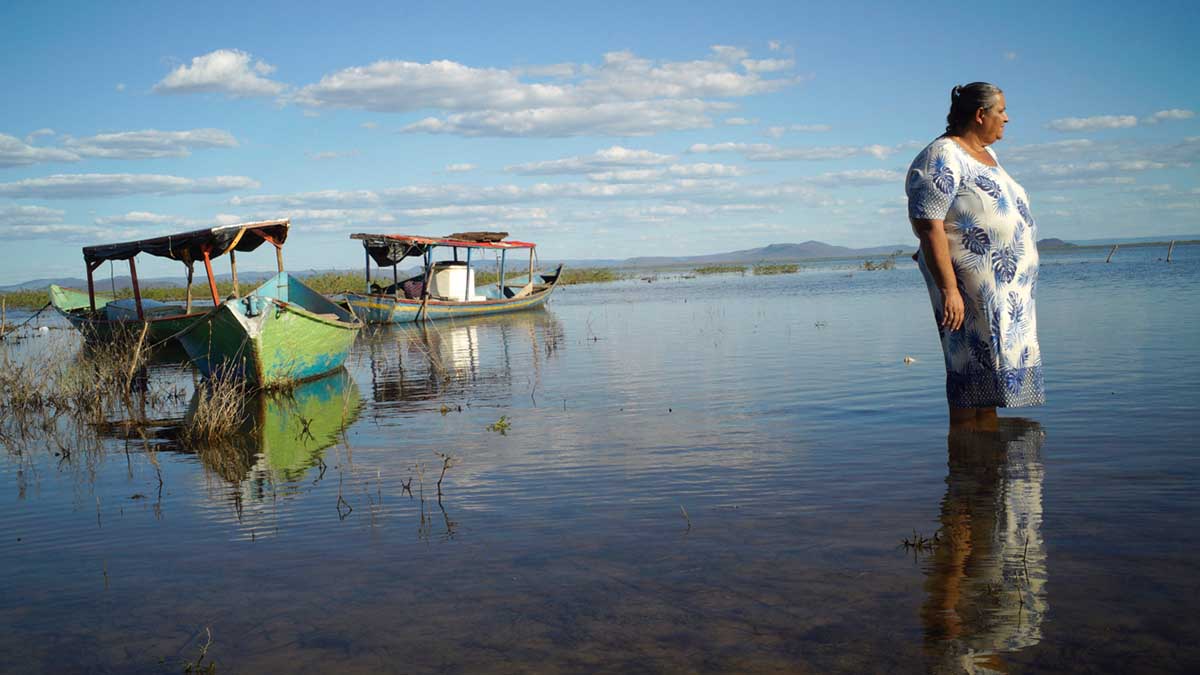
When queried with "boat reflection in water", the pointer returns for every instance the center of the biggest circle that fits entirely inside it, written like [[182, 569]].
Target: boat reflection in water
[[422, 366], [283, 433], [986, 579]]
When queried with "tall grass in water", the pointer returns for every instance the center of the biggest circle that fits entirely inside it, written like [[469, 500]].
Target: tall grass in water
[[721, 269], [570, 276], [58, 393], [762, 269], [218, 409], [888, 263]]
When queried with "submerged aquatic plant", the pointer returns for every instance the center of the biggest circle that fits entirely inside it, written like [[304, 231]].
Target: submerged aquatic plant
[[500, 426]]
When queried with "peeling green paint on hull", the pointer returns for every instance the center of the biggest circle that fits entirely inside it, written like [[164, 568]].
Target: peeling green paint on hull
[[282, 332]]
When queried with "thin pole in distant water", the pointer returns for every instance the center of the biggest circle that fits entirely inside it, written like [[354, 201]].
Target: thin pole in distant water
[[1170, 249], [1110, 253]]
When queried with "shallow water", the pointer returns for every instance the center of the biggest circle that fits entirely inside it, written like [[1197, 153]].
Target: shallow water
[[709, 474]]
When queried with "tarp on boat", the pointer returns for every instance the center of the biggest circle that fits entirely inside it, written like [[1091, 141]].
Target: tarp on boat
[[189, 247], [390, 249]]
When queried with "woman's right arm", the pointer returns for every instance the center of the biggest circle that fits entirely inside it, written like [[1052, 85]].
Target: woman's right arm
[[932, 234]]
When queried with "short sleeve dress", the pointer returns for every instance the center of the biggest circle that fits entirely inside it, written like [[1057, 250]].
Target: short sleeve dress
[[994, 359]]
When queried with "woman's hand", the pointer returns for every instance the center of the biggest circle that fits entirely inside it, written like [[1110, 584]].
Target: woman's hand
[[952, 309]]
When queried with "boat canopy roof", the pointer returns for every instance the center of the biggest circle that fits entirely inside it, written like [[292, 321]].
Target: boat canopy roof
[[389, 249], [189, 247]]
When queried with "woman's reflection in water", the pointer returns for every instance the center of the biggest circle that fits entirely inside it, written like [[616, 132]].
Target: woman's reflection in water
[[987, 576]]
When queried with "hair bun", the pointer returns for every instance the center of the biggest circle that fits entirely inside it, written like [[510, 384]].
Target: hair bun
[[956, 91]]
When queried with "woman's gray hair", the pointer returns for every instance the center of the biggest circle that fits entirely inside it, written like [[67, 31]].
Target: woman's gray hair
[[965, 99]]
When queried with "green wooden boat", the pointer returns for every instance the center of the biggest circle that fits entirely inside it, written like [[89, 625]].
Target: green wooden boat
[[101, 318], [282, 332], [163, 320]]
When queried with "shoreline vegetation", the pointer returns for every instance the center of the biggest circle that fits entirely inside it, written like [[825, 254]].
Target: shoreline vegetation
[[332, 283], [326, 283]]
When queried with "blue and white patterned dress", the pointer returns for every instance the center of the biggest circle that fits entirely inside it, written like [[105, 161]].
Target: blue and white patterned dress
[[994, 359]]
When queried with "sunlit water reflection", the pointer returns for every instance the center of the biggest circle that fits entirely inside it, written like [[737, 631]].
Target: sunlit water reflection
[[691, 474]]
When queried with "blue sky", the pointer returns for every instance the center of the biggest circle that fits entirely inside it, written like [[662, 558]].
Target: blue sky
[[667, 129]]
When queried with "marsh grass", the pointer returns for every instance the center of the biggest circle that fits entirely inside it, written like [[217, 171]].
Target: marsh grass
[[888, 263], [218, 409], [570, 276], [721, 269], [785, 268], [63, 377], [25, 298]]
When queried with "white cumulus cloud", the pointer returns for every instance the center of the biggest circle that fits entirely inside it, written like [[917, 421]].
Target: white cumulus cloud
[[225, 71], [150, 143], [638, 118], [93, 185], [1172, 114], [608, 158], [765, 152], [622, 95], [15, 152], [13, 214], [142, 218], [1093, 123]]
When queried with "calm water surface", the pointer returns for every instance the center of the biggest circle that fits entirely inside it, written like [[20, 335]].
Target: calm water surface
[[710, 474]]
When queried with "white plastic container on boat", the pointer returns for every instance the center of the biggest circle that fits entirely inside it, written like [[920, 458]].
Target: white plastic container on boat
[[453, 280]]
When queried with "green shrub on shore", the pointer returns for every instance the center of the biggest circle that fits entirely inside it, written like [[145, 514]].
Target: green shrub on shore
[[785, 268], [25, 299], [570, 276], [721, 269], [340, 282]]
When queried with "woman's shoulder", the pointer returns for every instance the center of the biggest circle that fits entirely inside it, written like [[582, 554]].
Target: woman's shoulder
[[941, 147]]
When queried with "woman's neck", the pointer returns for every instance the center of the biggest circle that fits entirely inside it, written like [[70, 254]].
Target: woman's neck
[[971, 141]]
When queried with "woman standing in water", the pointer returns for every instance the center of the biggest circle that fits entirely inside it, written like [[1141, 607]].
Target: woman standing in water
[[979, 258]]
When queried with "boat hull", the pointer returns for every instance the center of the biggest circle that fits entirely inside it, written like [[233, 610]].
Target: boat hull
[[281, 333], [75, 307]]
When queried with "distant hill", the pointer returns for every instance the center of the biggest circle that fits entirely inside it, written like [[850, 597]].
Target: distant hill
[[1051, 242], [772, 253]]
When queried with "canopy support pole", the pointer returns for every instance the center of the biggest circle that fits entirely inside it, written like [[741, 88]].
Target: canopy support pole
[[278, 248], [92, 284], [470, 287], [187, 309], [422, 313], [233, 271], [500, 281], [367, 274], [137, 293], [212, 283], [395, 281], [530, 268]]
